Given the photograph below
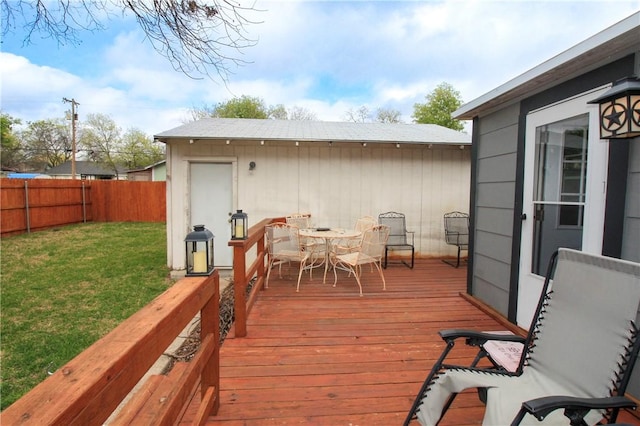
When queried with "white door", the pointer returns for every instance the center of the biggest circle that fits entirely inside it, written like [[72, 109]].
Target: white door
[[564, 191], [211, 199]]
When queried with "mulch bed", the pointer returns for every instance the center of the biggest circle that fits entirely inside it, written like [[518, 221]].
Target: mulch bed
[[190, 346]]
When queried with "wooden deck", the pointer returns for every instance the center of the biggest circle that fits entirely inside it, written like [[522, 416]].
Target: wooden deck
[[325, 356]]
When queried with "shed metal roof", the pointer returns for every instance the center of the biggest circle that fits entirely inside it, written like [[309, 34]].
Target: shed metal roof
[[304, 130], [613, 43]]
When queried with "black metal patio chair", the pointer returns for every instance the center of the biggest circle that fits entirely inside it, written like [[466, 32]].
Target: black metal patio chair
[[456, 233], [399, 237]]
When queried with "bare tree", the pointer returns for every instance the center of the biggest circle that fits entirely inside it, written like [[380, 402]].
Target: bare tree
[[388, 115], [278, 112], [302, 113], [361, 115], [194, 35]]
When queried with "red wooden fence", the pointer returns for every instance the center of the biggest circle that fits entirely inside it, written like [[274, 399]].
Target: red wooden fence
[[32, 204]]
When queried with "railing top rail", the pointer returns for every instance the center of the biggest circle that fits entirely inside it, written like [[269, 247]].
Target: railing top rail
[[89, 387]]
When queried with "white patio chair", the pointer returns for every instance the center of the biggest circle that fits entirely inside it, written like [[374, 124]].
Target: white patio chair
[[301, 220], [577, 359], [316, 247], [370, 252], [284, 246], [349, 245]]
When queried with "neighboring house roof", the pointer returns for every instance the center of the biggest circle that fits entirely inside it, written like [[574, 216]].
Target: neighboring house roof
[[305, 130], [150, 166], [613, 43], [88, 168]]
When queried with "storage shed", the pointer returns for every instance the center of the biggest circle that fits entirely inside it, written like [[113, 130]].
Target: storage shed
[[337, 171]]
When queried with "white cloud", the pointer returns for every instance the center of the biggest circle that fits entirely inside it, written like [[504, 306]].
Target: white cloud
[[328, 57]]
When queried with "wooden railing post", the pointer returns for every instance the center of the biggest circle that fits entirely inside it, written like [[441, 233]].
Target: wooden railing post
[[242, 276], [239, 290]]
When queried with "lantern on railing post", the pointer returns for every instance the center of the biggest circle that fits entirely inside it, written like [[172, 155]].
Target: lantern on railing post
[[239, 225], [620, 110], [199, 251]]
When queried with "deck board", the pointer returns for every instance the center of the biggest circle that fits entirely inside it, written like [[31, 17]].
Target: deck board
[[325, 356]]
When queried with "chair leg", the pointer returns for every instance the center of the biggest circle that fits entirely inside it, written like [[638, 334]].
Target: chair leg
[[410, 266], [454, 264], [358, 274], [269, 266], [384, 265], [302, 265], [384, 283]]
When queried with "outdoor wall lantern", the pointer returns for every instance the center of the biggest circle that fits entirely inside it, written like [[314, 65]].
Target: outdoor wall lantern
[[199, 251], [620, 110], [239, 225]]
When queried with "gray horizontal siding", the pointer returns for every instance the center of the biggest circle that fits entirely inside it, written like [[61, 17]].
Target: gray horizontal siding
[[495, 190], [501, 168], [631, 234], [492, 271], [495, 194], [489, 293], [495, 220]]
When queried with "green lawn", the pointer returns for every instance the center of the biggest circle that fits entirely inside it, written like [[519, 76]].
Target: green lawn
[[65, 288]]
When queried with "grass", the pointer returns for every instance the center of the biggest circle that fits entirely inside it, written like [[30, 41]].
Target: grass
[[65, 288]]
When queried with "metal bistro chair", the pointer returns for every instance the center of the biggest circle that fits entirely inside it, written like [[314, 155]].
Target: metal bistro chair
[[399, 237], [456, 233], [352, 244], [284, 246], [369, 253], [315, 247]]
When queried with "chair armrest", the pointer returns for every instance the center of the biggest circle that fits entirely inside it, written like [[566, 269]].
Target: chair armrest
[[478, 338], [574, 407]]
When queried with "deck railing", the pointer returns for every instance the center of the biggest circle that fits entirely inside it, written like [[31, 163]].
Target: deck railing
[[91, 386], [242, 276]]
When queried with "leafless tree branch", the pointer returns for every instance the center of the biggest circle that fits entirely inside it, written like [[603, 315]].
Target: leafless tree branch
[[196, 36]]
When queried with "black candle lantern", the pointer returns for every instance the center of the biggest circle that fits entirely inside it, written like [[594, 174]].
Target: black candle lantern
[[620, 110], [199, 251], [239, 225]]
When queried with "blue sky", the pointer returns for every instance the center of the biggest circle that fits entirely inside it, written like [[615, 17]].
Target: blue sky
[[328, 57]]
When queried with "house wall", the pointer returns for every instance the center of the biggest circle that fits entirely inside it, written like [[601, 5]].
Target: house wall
[[336, 184], [631, 234], [495, 184], [140, 176], [498, 184], [159, 173]]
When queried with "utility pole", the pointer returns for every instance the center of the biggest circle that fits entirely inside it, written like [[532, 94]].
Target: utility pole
[[74, 117]]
